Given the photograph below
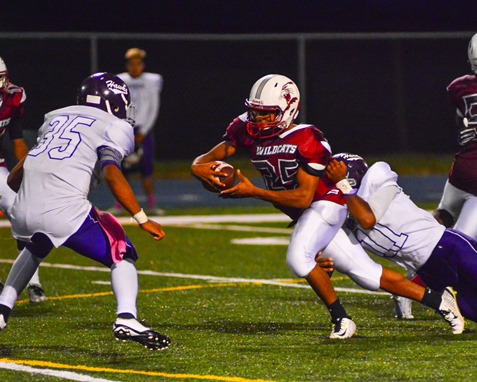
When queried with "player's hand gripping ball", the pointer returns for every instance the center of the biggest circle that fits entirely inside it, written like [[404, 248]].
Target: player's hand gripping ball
[[228, 180]]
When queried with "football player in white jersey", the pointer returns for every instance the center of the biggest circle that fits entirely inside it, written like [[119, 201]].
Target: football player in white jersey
[[76, 145], [385, 222], [145, 88], [12, 101]]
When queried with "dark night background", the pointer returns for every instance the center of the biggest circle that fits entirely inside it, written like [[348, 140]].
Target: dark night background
[[370, 92]]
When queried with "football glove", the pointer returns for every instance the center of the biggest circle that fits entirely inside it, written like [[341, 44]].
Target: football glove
[[466, 135]]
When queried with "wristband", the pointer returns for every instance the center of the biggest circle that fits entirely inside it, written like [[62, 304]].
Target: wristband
[[140, 217], [344, 186]]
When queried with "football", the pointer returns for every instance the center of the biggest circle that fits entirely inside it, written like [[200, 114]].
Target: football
[[228, 180]]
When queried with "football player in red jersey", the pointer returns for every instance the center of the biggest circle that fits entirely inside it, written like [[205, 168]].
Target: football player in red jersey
[[458, 206], [12, 98], [292, 159]]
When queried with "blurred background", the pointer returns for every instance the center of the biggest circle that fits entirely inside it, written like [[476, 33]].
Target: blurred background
[[372, 74]]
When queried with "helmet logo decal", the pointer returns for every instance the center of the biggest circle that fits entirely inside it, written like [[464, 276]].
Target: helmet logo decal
[[116, 88], [286, 92]]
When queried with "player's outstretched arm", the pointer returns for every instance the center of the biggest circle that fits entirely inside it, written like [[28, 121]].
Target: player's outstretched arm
[[203, 167], [123, 193]]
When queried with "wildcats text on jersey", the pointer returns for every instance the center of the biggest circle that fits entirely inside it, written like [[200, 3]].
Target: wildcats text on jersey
[[279, 149]]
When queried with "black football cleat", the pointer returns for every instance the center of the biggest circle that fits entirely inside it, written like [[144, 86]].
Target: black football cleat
[[130, 329]]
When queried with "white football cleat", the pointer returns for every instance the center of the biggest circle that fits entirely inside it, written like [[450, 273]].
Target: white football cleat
[[402, 308], [3, 324], [343, 328], [450, 311], [36, 294]]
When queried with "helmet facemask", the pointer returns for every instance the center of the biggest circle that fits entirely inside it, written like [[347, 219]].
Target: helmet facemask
[[264, 121], [472, 53], [131, 114], [3, 76], [3, 82]]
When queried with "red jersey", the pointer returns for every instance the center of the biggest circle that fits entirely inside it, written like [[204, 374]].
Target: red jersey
[[463, 173], [11, 111], [278, 159]]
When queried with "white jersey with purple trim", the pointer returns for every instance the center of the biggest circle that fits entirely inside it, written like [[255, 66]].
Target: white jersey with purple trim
[[146, 96], [405, 234], [58, 171]]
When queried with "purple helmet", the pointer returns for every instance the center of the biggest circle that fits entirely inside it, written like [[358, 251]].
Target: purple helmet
[[357, 167], [107, 92]]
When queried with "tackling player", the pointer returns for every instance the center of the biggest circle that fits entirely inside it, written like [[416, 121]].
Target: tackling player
[[12, 99], [458, 205], [391, 226], [77, 145]]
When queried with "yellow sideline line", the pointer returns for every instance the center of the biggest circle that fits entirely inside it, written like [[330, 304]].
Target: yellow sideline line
[[170, 289], [127, 371]]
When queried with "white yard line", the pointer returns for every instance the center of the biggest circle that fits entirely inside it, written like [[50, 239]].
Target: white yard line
[[209, 278], [210, 222], [194, 219], [53, 373]]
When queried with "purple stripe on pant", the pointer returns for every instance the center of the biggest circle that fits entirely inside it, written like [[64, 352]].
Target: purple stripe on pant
[[453, 262], [89, 240]]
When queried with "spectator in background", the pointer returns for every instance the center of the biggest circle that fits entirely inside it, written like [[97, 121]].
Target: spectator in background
[[145, 93], [12, 99]]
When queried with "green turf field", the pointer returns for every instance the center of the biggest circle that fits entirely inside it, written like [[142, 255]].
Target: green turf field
[[233, 313]]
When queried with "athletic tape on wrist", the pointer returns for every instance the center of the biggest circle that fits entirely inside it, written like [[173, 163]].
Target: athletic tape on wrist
[[344, 186], [140, 217]]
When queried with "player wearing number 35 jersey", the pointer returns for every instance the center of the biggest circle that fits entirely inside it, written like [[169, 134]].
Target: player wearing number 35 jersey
[[76, 146]]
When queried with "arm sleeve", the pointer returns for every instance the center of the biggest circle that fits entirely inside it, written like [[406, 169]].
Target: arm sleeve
[[381, 199]]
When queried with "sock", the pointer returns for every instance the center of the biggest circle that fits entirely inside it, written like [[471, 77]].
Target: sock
[[432, 299], [337, 311], [35, 280], [151, 201], [22, 271], [126, 316], [5, 311], [125, 287]]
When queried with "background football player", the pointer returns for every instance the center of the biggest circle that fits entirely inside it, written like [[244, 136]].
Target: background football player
[[12, 99], [458, 205]]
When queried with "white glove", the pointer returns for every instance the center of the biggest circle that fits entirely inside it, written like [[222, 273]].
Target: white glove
[[468, 133]]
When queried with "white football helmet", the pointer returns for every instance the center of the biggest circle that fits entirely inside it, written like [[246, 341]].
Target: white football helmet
[[472, 52], [3, 76], [272, 94]]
